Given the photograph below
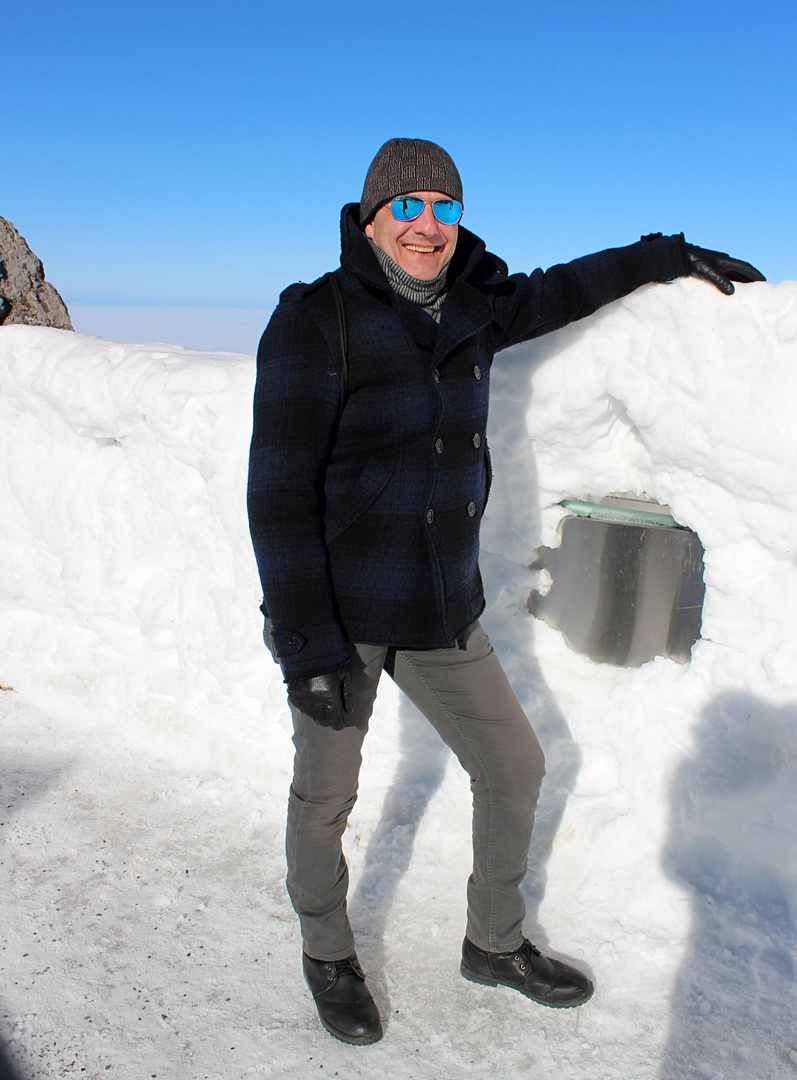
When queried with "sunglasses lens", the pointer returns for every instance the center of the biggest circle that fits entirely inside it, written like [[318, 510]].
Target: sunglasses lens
[[406, 208], [447, 211], [409, 207]]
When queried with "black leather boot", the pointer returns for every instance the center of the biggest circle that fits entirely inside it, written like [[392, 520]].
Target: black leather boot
[[345, 1006], [550, 982]]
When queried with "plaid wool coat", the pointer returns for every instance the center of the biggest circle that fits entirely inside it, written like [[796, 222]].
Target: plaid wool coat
[[365, 513]]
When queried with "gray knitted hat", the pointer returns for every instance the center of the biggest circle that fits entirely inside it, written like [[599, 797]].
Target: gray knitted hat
[[403, 165]]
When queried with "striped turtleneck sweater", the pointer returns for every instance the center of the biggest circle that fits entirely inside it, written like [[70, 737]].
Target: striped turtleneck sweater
[[429, 294]]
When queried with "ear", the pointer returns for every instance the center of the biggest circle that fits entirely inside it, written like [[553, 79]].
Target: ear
[[369, 229]]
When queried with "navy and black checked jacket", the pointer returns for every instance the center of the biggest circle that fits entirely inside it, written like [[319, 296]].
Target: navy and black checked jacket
[[365, 514]]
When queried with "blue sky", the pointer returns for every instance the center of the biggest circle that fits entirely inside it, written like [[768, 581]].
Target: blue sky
[[199, 152]]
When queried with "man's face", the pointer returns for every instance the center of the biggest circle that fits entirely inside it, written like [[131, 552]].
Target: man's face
[[421, 247]]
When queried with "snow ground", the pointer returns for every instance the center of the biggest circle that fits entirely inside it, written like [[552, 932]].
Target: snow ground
[[146, 749]]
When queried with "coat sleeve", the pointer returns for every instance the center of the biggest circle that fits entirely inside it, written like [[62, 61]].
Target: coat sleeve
[[529, 305], [297, 401]]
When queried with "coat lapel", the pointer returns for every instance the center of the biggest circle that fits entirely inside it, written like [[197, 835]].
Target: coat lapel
[[466, 310], [465, 313]]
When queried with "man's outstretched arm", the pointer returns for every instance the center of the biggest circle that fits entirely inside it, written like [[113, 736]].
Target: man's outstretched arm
[[527, 306]]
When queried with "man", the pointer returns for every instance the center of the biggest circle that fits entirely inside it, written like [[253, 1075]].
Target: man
[[369, 475]]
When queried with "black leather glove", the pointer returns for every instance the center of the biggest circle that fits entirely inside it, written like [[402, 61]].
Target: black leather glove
[[325, 698], [719, 268]]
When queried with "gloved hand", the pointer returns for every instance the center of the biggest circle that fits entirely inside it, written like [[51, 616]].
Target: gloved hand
[[325, 698], [719, 268]]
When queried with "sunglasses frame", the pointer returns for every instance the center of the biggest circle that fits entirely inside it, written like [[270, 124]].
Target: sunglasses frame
[[426, 202]]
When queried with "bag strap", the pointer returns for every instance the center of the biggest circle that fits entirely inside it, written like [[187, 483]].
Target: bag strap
[[343, 331]]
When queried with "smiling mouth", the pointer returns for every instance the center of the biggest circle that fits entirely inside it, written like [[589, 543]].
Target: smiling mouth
[[422, 250]]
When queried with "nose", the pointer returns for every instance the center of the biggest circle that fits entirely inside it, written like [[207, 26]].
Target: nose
[[427, 222]]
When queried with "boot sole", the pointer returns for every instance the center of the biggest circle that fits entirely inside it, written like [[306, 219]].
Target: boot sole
[[480, 980], [352, 1040]]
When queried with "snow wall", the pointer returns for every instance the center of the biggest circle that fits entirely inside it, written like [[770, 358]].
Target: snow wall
[[664, 853]]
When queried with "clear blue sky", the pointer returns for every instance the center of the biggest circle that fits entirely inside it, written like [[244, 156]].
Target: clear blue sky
[[197, 152]]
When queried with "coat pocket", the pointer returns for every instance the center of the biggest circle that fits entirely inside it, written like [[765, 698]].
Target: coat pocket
[[369, 485], [488, 475]]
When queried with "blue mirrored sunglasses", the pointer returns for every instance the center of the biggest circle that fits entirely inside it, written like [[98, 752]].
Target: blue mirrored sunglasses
[[410, 207]]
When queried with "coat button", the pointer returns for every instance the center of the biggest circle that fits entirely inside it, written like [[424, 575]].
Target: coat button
[[477, 440], [430, 516], [477, 371], [438, 445], [436, 375], [471, 509]]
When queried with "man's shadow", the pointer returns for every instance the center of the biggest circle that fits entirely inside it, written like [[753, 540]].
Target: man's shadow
[[20, 786], [562, 764], [422, 761], [733, 841], [423, 757]]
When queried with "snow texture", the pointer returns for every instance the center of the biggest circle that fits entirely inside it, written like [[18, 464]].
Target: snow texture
[[146, 742]]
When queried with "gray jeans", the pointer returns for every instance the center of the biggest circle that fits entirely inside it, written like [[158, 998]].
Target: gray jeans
[[465, 695]]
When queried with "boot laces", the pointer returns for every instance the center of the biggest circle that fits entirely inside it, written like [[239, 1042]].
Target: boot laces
[[525, 949], [350, 965]]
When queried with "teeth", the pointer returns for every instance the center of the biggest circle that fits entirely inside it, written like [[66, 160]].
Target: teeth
[[417, 247]]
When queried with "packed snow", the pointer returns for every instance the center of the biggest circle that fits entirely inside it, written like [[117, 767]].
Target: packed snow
[[146, 740]]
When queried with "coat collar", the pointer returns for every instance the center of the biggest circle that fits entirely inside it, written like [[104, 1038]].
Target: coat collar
[[466, 310], [470, 261]]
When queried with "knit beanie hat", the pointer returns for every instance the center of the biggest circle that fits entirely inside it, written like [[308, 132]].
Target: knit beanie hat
[[403, 165]]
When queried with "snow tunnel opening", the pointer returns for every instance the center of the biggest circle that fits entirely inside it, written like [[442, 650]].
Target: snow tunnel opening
[[626, 581]]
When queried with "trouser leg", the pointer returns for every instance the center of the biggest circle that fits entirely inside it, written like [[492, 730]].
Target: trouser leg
[[465, 694], [323, 792]]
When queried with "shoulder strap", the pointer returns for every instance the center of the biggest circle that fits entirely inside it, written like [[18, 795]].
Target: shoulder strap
[[327, 309], [343, 330]]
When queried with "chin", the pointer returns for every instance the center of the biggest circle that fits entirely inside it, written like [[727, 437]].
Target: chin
[[424, 271]]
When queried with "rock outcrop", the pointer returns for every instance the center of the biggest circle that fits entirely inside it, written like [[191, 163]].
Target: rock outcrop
[[25, 297]]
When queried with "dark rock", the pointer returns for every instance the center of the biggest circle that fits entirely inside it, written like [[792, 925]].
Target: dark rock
[[25, 297]]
